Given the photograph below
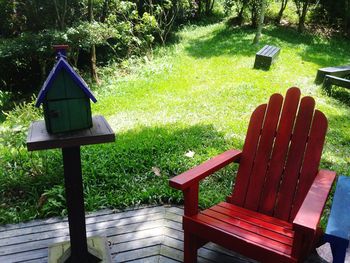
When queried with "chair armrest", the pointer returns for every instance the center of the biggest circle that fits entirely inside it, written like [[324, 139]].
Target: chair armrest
[[310, 212], [194, 175], [188, 181]]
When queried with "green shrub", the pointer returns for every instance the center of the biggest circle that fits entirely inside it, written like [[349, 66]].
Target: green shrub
[[24, 176], [5, 102]]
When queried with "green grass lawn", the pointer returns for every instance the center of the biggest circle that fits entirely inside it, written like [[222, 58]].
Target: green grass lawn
[[193, 96]]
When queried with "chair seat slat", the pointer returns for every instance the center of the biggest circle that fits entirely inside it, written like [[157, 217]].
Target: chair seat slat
[[255, 220], [235, 232]]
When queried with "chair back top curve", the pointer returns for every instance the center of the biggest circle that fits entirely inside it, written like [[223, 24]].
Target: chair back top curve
[[280, 156]]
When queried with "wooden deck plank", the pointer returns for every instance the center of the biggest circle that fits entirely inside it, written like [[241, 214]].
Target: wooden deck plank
[[152, 259], [173, 233], [94, 215], [216, 256], [222, 250], [89, 228], [174, 238], [38, 260], [120, 234], [163, 259], [151, 234], [172, 253], [136, 244], [137, 254], [56, 223], [25, 256]]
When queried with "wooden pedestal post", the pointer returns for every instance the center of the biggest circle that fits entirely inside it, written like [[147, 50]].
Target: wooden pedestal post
[[39, 139]]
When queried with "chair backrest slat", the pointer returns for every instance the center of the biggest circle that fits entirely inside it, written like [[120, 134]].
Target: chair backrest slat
[[294, 158], [248, 155], [263, 154], [277, 162], [312, 159], [280, 156]]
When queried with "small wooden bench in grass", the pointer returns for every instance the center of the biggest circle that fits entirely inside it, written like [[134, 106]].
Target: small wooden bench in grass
[[266, 56], [338, 226], [333, 80], [340, 71]]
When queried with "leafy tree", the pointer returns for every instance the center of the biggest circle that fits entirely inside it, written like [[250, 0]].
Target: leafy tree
[[11, 19], [97, 31], [334, 13], [254, 6], [240, 6], [165, 15], [347, 17], [209, 5], [93, 70], [204, 7], [302, 9]]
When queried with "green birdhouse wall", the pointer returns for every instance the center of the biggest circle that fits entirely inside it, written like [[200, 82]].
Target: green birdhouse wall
[[66, 99], [66, 107]]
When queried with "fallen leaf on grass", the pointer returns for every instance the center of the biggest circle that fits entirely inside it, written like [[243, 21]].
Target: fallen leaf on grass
[[156, 171], [42, 200], [190, 154]]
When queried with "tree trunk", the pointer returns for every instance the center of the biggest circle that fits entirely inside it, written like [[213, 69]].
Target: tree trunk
[[280, 13], [61, 16], [212, 5], [302, 17], [74, 55], [104, 10], [93, 71], [347, 17], [199, 11], [255, 14], [241, 11], [240, 17], [43, 74], [209, 4], [140, 7], [260, 22]]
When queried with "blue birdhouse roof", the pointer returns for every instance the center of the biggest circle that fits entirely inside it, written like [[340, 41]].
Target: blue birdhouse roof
[[62, 64]]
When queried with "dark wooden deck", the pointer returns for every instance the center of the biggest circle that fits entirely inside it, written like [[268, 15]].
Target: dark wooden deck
[[152, 234]]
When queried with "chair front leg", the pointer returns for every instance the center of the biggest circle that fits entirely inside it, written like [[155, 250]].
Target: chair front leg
[[191, 200], [303, 243], [190, 248], [191, 244]]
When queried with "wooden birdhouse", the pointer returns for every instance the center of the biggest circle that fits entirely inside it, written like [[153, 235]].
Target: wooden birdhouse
[[65, 97]]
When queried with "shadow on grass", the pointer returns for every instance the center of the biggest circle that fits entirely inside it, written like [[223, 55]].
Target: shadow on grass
[[224, 41], [173, 37], [339, 93], [334, 53], [286, 35], [338, 144], [237, 41], [134, 170], [325, 53]]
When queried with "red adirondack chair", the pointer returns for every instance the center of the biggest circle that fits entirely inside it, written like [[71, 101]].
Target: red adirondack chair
[[274, 211]]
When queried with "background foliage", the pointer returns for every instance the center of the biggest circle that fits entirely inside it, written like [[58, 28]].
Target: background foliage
[[122, 29]]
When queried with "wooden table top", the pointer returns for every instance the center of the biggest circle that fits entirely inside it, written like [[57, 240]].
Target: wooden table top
[[39, 139]]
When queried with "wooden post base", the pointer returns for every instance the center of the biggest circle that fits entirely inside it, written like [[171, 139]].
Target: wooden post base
[[97, 248]]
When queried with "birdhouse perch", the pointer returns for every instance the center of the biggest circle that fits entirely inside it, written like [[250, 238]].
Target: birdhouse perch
[[65, 97]]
